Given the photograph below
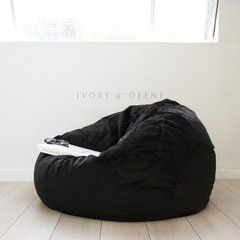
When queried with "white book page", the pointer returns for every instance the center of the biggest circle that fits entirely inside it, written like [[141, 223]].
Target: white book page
[[73, 150]]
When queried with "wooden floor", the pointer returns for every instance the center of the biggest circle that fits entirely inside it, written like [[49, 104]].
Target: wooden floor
[[23, 216]]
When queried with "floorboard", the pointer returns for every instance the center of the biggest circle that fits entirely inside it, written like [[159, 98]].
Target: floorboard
[[212, 224], [36, 223], [227, 201], [24, 217], [124, 231], [232, 184], [13, 204], [6, 187], [76, 228], [174, 229]]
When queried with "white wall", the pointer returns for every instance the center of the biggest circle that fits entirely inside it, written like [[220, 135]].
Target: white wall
[[40, 81]]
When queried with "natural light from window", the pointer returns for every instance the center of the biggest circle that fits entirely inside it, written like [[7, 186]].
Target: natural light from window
[[108, 20]]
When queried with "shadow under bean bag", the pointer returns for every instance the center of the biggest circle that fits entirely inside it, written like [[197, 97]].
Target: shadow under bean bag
[[157, 161]]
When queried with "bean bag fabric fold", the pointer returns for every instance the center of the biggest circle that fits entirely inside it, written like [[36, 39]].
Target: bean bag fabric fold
[[157, 161]]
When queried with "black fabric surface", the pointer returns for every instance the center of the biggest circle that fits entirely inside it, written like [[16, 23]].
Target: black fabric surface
[[157, 162]]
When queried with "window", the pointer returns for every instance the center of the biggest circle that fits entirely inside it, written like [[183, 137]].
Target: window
[[6, 21], [108, 20]]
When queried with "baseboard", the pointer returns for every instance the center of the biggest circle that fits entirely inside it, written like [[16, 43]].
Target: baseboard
[[227, 173], [11, 175]]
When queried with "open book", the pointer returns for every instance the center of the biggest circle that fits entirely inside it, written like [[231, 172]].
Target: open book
[[73, 150]]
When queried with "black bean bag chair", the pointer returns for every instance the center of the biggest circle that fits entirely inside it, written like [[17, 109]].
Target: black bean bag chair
[[157, 161]]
